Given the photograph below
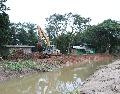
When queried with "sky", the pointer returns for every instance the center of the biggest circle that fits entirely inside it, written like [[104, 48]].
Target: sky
[[35, 11]]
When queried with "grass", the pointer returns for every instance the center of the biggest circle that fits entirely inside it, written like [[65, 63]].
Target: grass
[[22, 65], [18, 66]]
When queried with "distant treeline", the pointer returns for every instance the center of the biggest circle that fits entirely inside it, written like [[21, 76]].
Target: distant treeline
[[64, 31]]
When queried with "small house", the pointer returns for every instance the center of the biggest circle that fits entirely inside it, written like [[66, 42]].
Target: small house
[[82, 49], [7, 49]]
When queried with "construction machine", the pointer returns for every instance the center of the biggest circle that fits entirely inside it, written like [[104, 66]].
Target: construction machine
[[50, 49]]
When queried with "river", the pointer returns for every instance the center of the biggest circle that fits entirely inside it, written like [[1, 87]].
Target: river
[[60, 81]]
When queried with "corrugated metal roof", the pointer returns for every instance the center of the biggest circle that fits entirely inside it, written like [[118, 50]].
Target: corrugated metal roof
[[18, 46], [79, 47]]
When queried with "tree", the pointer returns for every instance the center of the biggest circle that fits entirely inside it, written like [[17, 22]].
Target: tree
[[104, 36], [65, 26], [4, 27], [64, 42], [57, 23], [54, 25], [4, 24], [23, 33], [81, 23], [3, 7], [33, 38]]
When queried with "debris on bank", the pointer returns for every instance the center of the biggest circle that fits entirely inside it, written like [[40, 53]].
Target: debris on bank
[[16, 67], [13, 69], [103, 81]]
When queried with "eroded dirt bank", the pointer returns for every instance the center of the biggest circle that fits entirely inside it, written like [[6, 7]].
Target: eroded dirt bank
[[104, 81], [12, 69]]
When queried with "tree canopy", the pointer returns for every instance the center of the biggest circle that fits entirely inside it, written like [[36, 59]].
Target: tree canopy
[[104, 36], [4, 24], [23, 34], [64, 31], [58, 24], [3, 7], [64, 27]]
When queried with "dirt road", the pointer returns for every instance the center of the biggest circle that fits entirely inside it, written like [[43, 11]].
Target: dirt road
[[104, 81]]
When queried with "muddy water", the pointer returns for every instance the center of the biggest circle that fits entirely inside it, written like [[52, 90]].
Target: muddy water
[[56, 82]]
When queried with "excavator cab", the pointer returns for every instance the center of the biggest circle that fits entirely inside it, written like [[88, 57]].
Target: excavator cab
[[52, 50]]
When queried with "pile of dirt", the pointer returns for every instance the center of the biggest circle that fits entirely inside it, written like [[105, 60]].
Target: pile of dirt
[[38, 55], [19, 54], [83, 59], [104, 81]]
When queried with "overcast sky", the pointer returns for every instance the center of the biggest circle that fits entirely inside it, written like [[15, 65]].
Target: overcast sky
[[36, 11]]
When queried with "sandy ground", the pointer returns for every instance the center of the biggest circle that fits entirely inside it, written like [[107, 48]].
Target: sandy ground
[[106, 80]]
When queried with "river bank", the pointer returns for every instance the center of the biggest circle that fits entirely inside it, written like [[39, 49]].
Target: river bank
[[14, 69], [106, 80]]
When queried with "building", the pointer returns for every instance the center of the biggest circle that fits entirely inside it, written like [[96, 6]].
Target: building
[[82, 49], [8, 49]]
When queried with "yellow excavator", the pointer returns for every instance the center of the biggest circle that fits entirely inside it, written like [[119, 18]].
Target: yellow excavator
[[50, 49]]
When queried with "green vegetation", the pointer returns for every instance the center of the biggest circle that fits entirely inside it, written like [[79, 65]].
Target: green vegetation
[[72, 29], [104, 37], [64, 31], [23, 33], [26, 65], [76, 91], [3, 7], [4, 24], [18, 66]]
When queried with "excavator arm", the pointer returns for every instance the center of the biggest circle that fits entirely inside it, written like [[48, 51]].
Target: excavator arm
[[43, 36]]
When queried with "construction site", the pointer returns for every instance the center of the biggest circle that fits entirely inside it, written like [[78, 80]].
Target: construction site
[[59, 53], [22, 62]]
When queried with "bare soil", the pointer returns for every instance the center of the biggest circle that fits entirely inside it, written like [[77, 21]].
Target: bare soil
[[52, 63], [104, 81]]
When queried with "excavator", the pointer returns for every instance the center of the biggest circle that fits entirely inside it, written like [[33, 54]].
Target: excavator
[[50, 49]]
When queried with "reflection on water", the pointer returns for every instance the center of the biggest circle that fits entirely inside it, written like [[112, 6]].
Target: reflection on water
[[55, 82], [69, 86], [44, 87]]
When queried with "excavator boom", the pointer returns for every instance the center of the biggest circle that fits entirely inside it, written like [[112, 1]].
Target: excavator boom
[[42, 36]]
